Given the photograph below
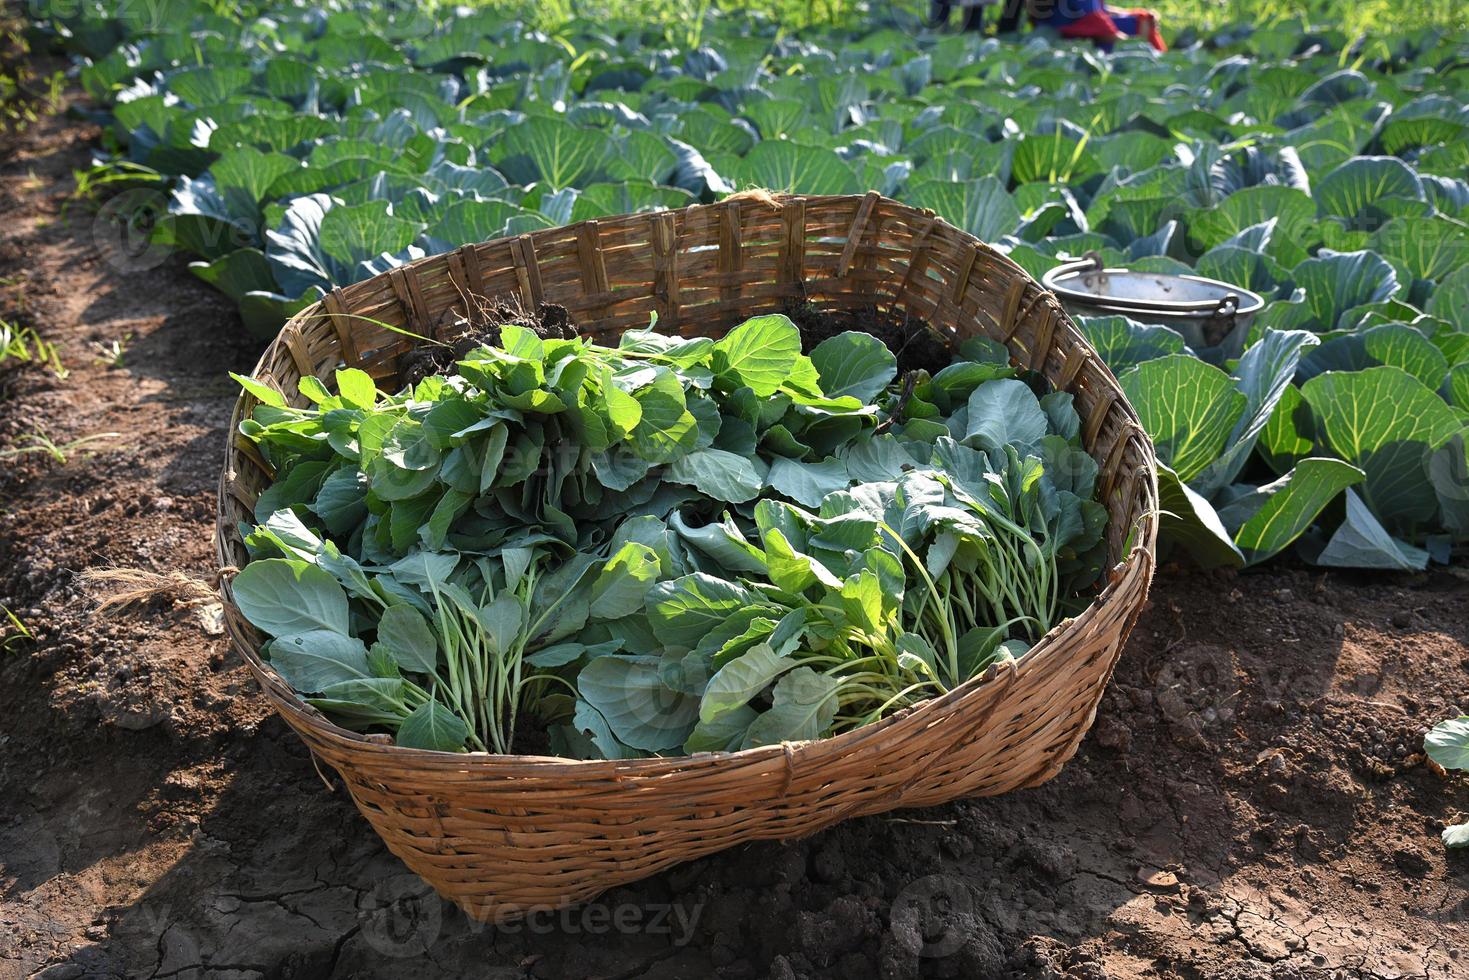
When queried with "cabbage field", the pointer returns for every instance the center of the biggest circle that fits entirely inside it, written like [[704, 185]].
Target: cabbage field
[[1279, 758], [312, 148]]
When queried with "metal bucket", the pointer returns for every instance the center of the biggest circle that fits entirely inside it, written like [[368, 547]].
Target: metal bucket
[[1207, 312]]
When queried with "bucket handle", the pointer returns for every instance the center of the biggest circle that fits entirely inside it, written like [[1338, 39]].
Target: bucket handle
[[1090, 261]]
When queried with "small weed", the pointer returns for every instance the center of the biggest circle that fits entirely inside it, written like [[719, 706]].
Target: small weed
[[15, 633], [113, 352], [106, 176], [25, 346], [38, 442]]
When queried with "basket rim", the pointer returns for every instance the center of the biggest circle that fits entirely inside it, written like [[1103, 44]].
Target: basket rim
[[1140, 559]]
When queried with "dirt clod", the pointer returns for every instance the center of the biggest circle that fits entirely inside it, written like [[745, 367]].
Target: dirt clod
[[913, 341], [459, 333]]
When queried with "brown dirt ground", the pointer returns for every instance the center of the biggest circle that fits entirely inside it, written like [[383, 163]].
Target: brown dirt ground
[[1253, 802]]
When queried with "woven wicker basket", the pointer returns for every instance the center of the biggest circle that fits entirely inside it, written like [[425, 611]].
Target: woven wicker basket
[[500, 835]]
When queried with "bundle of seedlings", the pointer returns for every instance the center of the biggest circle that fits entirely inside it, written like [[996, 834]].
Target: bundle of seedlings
[[669, 546]]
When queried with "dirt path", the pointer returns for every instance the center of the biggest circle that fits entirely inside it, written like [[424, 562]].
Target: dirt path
[[1252, 803]]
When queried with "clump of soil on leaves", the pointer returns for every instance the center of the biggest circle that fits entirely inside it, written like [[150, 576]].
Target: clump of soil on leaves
[[916, 344], [1253, 801], [457, 334]]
